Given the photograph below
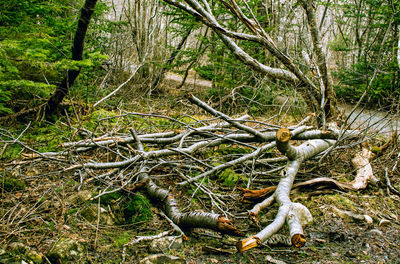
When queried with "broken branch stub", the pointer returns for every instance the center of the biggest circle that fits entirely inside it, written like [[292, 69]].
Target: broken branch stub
[[361, 162], [190, 219]]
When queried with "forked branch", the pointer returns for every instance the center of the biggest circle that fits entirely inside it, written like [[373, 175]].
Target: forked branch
[[286, 211]]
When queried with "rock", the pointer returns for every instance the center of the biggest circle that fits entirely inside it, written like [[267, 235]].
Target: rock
[[65, 249], [79, 197], [161, 258], [165, 243], [90, 214], [376, 232], [368, 219], [25, 252]]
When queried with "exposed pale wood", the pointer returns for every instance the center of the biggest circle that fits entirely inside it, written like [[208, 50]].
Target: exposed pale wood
[[283, 135], [364, 168], [253, 195], [351, 216], [296, 156], [248, 243]]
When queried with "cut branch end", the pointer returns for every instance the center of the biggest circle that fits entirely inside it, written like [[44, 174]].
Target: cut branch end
[[283, 135], [248, 243], [298, 240], [225, 226]]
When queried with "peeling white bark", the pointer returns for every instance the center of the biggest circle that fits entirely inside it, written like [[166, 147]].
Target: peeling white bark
[[296, 156], [364, 169], [189, 219]]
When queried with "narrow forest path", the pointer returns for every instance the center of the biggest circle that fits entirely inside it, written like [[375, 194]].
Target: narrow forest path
[[378, 122], [383, 123]]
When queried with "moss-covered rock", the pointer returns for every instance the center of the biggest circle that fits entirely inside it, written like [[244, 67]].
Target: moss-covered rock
[[10, 184], [66, 250], [161, 259], [18, 251], [91, 211], [79, 197]]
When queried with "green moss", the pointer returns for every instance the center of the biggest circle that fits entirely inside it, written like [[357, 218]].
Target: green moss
[[70, 183], [137, 209], [101, 113], [11, 152], [122, 239], [128, 209], [341, 201], [232, 149], [10, 184], [72, 211], [110, 198]]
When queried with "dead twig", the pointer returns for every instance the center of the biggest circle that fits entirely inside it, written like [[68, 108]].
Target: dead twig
[[389, 185]]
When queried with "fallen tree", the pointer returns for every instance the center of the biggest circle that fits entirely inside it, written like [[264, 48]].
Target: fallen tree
[[130, 162]]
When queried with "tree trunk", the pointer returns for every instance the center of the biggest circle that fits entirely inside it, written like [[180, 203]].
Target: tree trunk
[[320, 98], [170, 60], [328, 96], [77, 51]]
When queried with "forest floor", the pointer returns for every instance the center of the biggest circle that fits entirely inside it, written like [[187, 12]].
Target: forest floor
[[43, 206]]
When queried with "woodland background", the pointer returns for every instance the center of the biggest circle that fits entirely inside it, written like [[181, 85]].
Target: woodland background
[[145, 57]]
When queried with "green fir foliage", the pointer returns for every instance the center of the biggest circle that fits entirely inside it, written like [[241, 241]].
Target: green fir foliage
[[371, 48], [35, 50]]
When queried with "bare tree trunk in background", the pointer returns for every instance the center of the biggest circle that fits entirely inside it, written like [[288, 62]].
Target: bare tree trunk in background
[[317, 96], [77, 51], [169, 62], [136, 40], [328, 97], [196, 59]]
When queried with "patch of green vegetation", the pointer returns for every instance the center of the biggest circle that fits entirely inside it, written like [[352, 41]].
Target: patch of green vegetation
[[93, 119], [101, 113], [128, 209], [70, 183], [11, 152], [41, 136], [72, 211], [194, 188], [232, 149], [10, 184], [122, 239], [341, 201], [110, 198], [47, 137], [353, 83], [223, 150], [137, 209], [365, 257], [230, 177]]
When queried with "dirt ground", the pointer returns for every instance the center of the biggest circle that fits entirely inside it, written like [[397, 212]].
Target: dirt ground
[[42, 204], [42, 213]]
